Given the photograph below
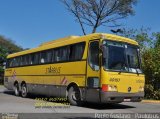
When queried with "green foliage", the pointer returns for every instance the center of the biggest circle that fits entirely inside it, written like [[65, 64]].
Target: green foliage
[[157, 42], [6, 47], [1, 77], [150, 93], [151, 62]]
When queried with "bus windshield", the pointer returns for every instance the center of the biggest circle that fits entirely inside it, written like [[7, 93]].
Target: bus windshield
[[122, 57]]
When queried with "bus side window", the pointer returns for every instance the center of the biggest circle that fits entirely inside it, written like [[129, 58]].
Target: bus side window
[[23, 61], [64, 54], [46, 56], [34, 58], [43, 58], [13, 62], [53, 56], [76, 51], [57, 55], [49, 56], [17, 61], [72, 53], [79, 51], [27, 59], [94, 55]]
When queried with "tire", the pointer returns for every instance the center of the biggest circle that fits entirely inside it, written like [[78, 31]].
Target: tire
[[16, 89], [74, 96], [24, 92]]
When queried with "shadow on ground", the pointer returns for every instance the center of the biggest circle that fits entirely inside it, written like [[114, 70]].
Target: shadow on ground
[[106, 106], [96, 106], [58, 116]]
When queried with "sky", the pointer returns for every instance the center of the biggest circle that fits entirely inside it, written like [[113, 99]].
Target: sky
[[31, 22]]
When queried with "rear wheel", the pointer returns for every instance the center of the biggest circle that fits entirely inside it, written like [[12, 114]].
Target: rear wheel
[[74, 96], [16, 89], [24, 91]]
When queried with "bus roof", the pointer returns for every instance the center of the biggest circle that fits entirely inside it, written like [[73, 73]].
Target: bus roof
[[72, 40]]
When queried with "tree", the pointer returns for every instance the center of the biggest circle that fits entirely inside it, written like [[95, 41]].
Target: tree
[[9, 45], [6, 47], [95, 13], [152, 63]]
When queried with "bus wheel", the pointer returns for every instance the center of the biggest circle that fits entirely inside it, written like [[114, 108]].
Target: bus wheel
[[16, 89], [74, 96], [24, 91]]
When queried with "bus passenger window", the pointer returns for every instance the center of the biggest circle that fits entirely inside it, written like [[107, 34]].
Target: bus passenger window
[[72, 52], [23, 61], [34, 58], [64, 53], [94, 55], [27, 59], [17, 61], [56, 55], [43, 57], [14, 62], [76, 51], [49, 56]]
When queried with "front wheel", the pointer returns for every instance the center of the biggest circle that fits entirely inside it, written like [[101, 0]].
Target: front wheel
[[74, 96], [24, 91]]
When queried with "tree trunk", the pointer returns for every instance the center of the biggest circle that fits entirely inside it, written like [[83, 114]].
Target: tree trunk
[[94, 30]]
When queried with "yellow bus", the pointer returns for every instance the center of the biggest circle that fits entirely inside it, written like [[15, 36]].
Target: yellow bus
[[100, 68]]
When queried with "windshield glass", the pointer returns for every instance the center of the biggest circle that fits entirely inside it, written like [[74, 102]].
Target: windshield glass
[[122, 57], [132, 54], [116, 56]]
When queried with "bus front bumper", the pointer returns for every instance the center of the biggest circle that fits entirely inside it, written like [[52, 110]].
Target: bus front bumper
[[117, 97]]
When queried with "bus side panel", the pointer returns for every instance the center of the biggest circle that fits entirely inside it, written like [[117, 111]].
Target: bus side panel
[[49, 79]]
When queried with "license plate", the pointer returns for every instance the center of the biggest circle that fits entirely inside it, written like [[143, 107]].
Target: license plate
[[127, 100]]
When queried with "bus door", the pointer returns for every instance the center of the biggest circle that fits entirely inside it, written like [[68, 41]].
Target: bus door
[[93, 72]]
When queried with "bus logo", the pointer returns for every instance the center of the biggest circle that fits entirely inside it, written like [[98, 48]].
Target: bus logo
[[129, 89]]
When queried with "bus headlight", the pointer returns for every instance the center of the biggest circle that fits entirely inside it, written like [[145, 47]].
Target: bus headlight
[[141, 89], [106, 87]]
